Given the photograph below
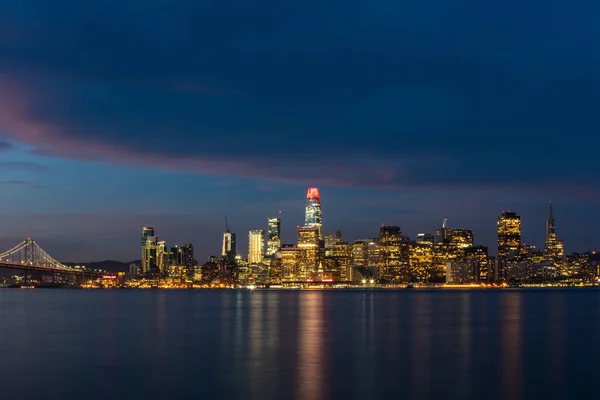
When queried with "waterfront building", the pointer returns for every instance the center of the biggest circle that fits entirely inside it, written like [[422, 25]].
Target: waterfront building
[[478, 255], [394, 255], [309, 245], [256, 246], [289, 258], [509, 235]]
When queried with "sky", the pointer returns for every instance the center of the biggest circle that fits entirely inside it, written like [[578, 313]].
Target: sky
[[119, 114]]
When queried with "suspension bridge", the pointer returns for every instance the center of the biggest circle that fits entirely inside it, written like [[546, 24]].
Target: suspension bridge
[[29, 256]]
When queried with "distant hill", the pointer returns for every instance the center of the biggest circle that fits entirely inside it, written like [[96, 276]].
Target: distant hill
[[108, 265]]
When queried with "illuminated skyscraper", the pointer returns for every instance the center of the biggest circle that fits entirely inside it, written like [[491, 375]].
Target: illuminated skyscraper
[[308, 243], [148, 250], [163, 257], [313, 210], [394, 254], [274, 236], [256, 246], [554, 247], [509, 234], [228, 245]]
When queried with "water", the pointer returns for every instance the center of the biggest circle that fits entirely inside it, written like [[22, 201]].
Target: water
[[411, 344]]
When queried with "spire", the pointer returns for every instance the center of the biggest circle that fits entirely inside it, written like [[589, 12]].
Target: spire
[[550, 213]]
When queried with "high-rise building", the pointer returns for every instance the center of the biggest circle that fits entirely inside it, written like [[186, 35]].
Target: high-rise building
[[509, 235], [313, 210], [308, 243], [256, 246], [147, 232], [394, 254], [273, 236], [554, 248], [228, 249], [163, 257], [183, 255], [454, 237], [148, 251]]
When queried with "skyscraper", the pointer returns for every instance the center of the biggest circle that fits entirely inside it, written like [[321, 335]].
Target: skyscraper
[[509, 234], [554, 247], [274, 236], [256, 246], [148, 250], [394, 254], [312, 216], [308, 243], [229, 249]]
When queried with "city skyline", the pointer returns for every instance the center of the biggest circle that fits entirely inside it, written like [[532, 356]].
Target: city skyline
[[400, 114], [288, 232]]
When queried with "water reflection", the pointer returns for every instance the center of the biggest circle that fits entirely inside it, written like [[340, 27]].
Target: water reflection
[[311, 365], [510, 358], [464, 356], [422, 345]]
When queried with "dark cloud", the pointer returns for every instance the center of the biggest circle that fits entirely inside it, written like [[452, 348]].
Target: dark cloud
[[386, 94]]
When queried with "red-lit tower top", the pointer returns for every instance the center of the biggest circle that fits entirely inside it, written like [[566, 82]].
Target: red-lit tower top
[[313, 193]]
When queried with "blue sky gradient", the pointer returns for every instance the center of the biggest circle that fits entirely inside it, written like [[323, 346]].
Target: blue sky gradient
[[115, 115]]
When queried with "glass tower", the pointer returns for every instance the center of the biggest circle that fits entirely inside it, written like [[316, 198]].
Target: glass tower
[[313, 210], [274, 236]]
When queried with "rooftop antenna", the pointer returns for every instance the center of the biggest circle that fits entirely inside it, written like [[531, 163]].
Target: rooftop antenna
[[226, 225], [445, 223]]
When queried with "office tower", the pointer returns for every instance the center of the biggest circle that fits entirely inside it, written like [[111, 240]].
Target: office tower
[[162, 257], [148, 251], [425, 238], [394, 254], [309, 244], [509, 235], [441, 234], [313, 210], [341, 265], [554, 248], [147, 232], [183, 255], [256, 246], [273, 236], [421, 258], [461, 238], [289, 259], [228, 250], [183, 259], [478, 258], [454, 237]]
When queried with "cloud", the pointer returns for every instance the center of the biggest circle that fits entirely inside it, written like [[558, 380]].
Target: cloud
[[386, 96]]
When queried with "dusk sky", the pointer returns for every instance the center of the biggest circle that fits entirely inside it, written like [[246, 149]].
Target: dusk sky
[[173, 114]]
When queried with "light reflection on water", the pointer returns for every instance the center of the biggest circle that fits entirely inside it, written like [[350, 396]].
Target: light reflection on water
[[508, 344]]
